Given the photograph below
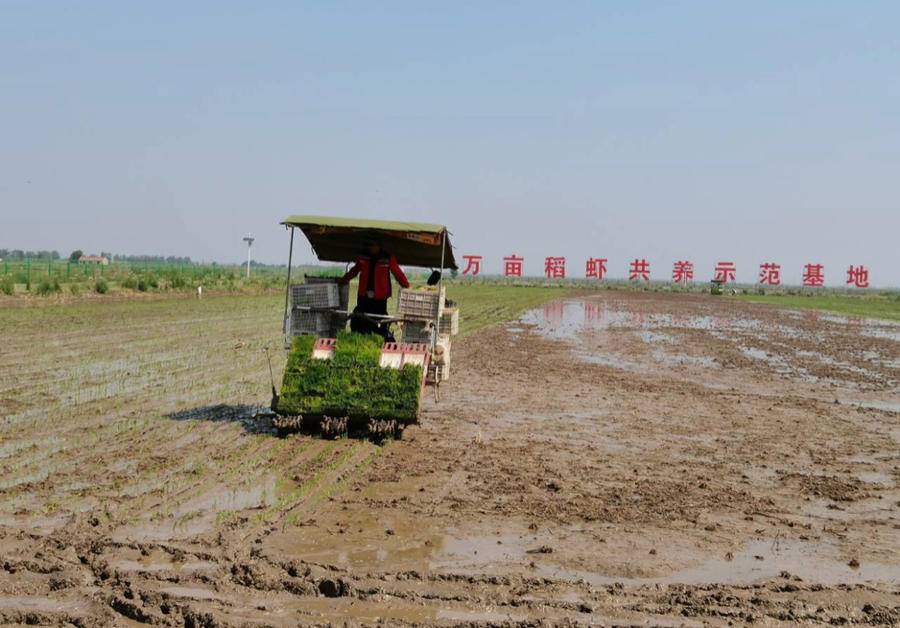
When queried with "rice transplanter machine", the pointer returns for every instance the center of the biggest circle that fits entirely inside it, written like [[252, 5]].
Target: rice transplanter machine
[[320, 306]]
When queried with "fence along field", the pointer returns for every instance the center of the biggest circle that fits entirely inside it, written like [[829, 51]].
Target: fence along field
[[45, 277]]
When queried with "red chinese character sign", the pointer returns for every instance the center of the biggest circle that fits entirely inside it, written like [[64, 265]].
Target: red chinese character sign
[[473, 264], [725, 271], [555, 267], [639, 269], [770, 274], [595, 268], [813, 275], [682, 271], [858, 276], [512, 266]]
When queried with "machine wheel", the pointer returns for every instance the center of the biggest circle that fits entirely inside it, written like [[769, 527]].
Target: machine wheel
[[379, 430], [334, 427], [285, 425]]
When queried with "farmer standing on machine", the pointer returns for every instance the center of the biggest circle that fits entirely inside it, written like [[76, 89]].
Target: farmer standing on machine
[[374, 268]]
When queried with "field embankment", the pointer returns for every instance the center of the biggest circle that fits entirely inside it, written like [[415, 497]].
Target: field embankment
[[885, 306]]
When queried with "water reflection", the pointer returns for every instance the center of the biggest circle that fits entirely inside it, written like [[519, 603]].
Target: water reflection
[[566, 319]]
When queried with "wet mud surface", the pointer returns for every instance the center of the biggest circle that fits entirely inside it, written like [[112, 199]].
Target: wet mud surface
[[619, 459]]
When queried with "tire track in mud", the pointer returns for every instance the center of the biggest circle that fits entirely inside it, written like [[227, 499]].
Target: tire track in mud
[[94, 463], [145, 596]]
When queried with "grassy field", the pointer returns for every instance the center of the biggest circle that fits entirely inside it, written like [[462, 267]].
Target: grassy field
[[876, 306]]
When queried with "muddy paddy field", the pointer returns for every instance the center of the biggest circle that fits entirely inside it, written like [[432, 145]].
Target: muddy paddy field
[[615, 458]]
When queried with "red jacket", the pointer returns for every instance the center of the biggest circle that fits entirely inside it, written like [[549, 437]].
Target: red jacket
[[384, 268]]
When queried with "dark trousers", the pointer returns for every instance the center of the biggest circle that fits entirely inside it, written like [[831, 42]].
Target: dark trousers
[[364, 325]]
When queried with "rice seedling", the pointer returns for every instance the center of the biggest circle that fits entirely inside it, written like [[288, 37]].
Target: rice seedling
[[351, 384]]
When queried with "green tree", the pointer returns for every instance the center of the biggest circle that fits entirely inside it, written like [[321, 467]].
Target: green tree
[[76, 255]]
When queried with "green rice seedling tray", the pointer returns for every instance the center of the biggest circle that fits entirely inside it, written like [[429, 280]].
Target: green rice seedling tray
[[351, 384]]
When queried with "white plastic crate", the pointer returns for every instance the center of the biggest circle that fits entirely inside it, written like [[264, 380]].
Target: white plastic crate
[[421, 304], [310, 323], [449, 323], [316, 295], [418, 331], [343, 289]]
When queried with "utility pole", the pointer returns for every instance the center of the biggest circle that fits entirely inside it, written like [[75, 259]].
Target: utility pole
[[249, 240]]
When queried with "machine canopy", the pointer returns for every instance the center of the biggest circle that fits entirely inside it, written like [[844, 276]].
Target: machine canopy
[[345, 239]]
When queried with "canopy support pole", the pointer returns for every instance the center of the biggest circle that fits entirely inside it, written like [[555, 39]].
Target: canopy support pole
[[437, 322], [287, 289]]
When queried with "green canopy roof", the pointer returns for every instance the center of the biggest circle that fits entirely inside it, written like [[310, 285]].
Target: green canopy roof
[[344, 239]]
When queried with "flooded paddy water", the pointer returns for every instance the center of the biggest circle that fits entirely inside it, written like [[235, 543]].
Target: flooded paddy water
[[620, 458]]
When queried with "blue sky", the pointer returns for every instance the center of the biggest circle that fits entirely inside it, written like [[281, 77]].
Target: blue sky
[[751, 132]]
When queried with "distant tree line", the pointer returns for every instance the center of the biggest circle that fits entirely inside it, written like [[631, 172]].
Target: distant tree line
[[74, 256], [19, 254]]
